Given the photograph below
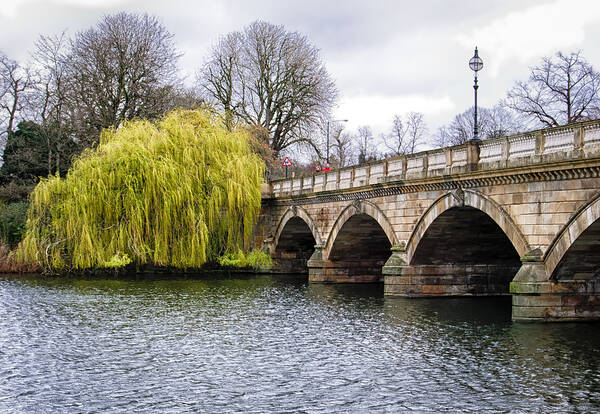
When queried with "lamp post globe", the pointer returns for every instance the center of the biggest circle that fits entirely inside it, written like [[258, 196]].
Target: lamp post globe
[[476, 64]]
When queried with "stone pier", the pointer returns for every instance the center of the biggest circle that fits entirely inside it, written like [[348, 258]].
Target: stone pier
[[515, 215]]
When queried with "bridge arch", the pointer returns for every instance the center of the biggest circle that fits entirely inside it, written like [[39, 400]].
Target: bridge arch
[[356, 208], [467, 198], [584, 223], [290, 213], [294, 241]]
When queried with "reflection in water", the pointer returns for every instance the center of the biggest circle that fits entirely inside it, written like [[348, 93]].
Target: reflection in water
[[268, 344]]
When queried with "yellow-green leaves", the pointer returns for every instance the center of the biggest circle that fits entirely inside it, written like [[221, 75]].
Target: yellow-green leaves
[[179, 193]]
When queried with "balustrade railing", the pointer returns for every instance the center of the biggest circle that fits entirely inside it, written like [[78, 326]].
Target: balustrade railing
[[572, 142], [491, 151], [592, 135], [562, 140], [436, 160], [521, 146]]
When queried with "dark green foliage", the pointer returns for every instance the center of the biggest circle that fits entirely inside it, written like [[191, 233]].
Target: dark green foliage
[[12, 222], [25, 155], [31, 152], [13, 192]]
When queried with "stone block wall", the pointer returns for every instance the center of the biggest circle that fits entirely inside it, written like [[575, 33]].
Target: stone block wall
[[450, 280], [540, 190]]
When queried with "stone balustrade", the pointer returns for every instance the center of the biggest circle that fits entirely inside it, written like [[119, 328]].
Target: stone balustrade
[[575, 141]]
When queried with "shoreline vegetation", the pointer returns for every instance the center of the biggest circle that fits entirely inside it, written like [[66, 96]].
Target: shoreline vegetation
[[10, 267], [147, 273], [178, 195]]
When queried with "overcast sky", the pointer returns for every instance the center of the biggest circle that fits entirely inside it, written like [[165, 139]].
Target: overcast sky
[[387, 57]]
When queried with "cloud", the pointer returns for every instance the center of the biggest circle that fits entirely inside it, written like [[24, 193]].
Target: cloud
[[533, 32], [377, 111], [91, 3], [387, 57], [10, 9]]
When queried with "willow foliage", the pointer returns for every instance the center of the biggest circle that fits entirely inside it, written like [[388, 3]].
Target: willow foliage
[[179, 193]]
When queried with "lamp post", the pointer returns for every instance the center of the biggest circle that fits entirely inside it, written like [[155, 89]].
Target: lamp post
[[475, 64], [329, 122]]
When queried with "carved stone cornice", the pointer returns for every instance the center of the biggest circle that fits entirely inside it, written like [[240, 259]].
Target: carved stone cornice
[[440, 183]]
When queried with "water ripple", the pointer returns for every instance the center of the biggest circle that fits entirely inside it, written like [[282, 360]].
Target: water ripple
[[257, 345]]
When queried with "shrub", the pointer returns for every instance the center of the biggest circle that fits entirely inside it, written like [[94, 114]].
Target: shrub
[[14, 192], [255, 259], [259, 259], [12, 222]]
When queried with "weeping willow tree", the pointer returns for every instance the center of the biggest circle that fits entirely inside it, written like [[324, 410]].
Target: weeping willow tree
[[179, 192]]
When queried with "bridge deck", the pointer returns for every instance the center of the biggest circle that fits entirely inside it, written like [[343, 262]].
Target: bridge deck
[[515, 215]]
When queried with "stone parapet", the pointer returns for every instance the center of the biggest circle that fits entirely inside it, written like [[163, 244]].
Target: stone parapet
[[553, 145]]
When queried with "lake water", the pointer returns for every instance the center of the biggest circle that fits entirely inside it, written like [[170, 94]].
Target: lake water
[[275, 344]]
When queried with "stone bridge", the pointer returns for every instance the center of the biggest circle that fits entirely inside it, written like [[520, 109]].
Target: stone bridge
[[516, 215]]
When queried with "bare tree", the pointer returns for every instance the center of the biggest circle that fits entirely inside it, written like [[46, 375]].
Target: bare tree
[[366, 146], [492, 123], [181, 97], [561, 90], [15, 83], [500, 122], [53, 102], [407, 134], [341, 146], [221, 75], [270, 77], [51, 72], [121, 69], [443, 137]]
